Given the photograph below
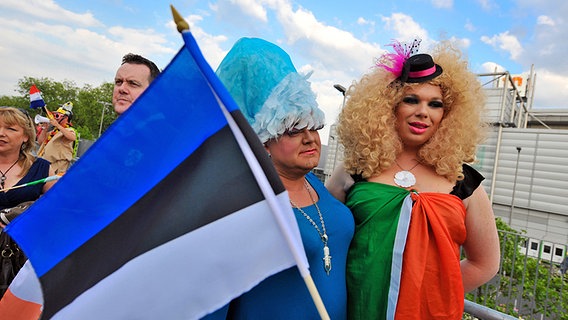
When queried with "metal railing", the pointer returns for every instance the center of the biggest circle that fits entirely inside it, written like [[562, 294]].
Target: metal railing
[[531, 283], [473, 310]]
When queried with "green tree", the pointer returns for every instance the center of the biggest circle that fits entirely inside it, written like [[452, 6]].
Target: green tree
[[14, 101], [92, 120]]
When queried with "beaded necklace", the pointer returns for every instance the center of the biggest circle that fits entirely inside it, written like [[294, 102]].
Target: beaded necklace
[[323, 235]]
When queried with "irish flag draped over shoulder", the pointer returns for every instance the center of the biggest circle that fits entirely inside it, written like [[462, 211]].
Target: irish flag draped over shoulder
[[403, 262], [173, 212]]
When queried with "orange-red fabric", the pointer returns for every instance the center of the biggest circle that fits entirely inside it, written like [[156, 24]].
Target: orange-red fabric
[[14, 308], [431, 274]]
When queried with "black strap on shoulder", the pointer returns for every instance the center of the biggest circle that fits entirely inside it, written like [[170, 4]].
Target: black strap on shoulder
[[472, 179], [357, 177]]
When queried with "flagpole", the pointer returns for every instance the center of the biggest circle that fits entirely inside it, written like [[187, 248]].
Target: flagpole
[[49, 114], [44, 180], [183, 26]]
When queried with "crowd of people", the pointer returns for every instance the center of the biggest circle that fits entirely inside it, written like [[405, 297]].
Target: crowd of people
[[43, 149], [383, 237]]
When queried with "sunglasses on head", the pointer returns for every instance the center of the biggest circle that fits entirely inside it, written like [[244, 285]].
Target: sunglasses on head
[[22, 111]]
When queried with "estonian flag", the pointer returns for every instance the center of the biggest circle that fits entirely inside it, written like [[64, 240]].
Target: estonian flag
[[36, 101], [173, 212]]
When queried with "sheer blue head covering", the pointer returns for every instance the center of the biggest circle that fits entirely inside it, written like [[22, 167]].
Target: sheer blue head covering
[[269, 91]]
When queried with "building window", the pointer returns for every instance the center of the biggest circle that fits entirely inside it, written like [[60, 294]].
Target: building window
[[546, 249]]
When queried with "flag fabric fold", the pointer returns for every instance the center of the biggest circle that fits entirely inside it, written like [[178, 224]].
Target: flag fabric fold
[[23, 300], [172, 213], [36, 101]]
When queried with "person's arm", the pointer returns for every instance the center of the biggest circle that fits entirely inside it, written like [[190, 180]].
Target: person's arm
[[482, 242], [50, 184], [69, 134], [339, 183]]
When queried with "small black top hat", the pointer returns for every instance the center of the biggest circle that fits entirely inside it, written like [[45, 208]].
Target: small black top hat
[[419, 68]]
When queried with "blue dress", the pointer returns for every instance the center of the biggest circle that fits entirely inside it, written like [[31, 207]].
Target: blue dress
[[285, 295], [38, 170]]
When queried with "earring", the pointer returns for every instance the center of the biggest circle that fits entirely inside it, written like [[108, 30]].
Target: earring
[[269, 155]]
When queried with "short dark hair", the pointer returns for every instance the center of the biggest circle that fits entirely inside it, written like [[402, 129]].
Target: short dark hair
[[138, 59]]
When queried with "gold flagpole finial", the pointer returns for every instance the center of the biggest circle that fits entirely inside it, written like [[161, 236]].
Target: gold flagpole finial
[[180, 23]]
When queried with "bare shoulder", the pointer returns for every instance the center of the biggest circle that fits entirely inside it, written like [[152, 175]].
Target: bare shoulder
[[339, 183]]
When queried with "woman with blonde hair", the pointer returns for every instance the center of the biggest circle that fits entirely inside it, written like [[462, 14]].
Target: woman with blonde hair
[[409, 129], [18, 165]]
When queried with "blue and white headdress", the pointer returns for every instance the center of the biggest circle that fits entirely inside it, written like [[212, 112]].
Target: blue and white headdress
[[269, 91]]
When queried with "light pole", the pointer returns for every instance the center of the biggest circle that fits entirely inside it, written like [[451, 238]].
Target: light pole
[[514, 187], [341, 89], [105, 104], [335, 153]]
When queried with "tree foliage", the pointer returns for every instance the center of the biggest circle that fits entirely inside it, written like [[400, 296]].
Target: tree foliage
[[526, 287], [88, 102]]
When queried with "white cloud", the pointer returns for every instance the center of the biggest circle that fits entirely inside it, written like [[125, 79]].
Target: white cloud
[[370, 28], [78, 46], [142, 40], [363, 22], [446, 4], [249, 16], [491, 67], [545, 20], [545, 48], [462, 43], [211, 44], [405, 28], [252, 9], [469, 26], [48, 10], [61, 50], [551, 89], [335, 55], [487, 5], [505, 41], [328, 47]]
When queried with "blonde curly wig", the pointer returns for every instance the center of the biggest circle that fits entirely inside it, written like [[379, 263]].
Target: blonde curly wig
[[366, 125]]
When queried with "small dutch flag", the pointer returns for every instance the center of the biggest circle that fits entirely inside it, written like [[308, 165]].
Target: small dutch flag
[[36, 101]]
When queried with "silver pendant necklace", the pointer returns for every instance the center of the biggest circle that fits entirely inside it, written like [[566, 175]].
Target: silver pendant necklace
[[323, 236], [3, 174], [405, 178]]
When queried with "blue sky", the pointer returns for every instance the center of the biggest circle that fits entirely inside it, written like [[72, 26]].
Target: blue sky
[[83, 41]]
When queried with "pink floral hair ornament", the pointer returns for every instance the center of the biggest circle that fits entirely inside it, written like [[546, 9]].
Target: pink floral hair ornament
[[406, 65]]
